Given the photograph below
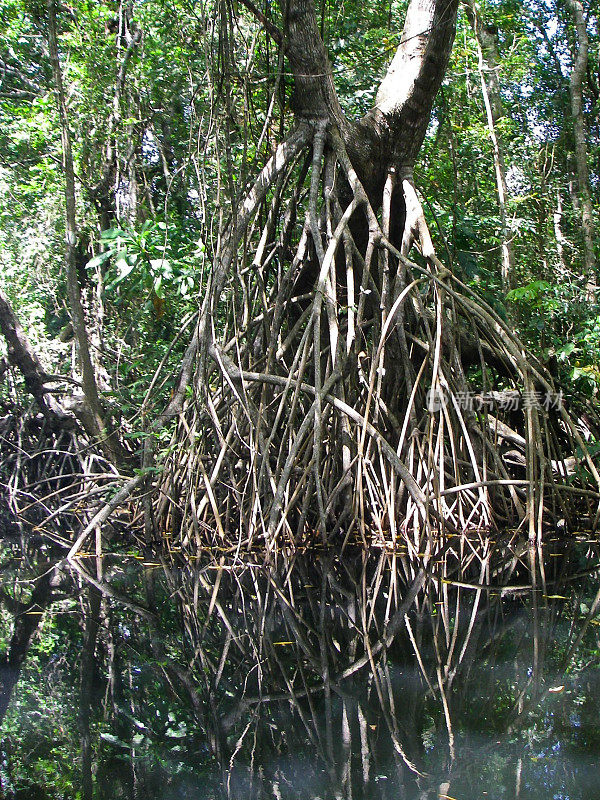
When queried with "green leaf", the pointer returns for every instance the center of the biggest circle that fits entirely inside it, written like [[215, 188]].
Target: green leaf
[[111, 233], [566, 351], [114, 740], [125, 267], [98, 260], [161, 264]]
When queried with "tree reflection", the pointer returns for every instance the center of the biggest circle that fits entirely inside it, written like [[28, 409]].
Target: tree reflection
[[368, 676]]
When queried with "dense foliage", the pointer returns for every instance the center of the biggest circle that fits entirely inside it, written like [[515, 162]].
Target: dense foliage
[[172, 106]]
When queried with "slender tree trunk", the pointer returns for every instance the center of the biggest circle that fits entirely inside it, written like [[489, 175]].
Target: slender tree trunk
[[489, 63], [560, 238], [576, 80], [93, 421]]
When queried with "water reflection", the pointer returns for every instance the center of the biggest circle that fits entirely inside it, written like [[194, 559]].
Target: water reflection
[[371, 676]]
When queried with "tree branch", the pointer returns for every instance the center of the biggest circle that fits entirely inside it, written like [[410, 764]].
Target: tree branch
[[270, 28], [22, 355], [407, 93]]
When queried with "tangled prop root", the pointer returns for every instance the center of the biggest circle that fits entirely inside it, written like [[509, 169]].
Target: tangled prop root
[[51, 480], [339, 411]]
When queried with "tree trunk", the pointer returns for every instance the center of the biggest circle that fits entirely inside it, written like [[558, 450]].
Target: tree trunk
[[340, 404], [91, 626], [489, 65], [389, 136], [561, 240], [92, 416], [577, 78]]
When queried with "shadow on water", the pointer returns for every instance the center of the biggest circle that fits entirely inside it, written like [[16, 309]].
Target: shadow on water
[[318, 677]]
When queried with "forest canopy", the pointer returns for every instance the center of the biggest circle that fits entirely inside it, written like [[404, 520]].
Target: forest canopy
[[287, 273]]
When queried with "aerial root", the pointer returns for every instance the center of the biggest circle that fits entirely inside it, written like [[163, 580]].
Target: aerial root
[[356, 395], [352, 396], [52, 480]]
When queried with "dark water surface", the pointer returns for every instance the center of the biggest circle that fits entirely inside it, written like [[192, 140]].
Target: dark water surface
[[315, 678]]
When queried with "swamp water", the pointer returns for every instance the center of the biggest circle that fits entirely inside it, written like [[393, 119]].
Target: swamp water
[[317, 677]]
